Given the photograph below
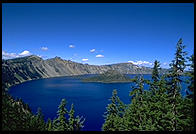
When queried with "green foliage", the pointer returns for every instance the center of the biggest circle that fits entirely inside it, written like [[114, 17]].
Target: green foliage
[[162, 108], [74, 124], [17, 116], [190, 74], [155, 72], [49, 125], [114, 113], [174, 83], [71, 118], [63, 124]]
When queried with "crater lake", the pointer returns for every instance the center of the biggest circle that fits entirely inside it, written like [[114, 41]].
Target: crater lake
[[89, 98]]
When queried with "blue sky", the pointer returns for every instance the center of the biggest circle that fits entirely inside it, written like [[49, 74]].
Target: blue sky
[[114, 32]]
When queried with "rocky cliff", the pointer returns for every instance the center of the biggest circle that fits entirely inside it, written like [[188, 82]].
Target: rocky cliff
[[15, 71]]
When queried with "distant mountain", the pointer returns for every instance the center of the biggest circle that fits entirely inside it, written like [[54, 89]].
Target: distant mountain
[[18, 70], [110, 76]]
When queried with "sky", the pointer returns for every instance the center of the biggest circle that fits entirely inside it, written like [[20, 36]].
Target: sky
[[98, 33]]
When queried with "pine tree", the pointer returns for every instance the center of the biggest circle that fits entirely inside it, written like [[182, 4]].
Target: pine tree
[[160, 109], [114, 113], [40, 120], [155, 77], [136, 114], [78, 123], [187, 110], [177, 68], [71, 118], [155, 72], [61, 124], [138, 88], [190, 74], [49, 125]]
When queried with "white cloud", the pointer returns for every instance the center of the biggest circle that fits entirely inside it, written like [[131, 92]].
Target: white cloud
[[99, 56], [6, 55], [44, 48], [141, 63], [84, 59], [92, 50], [24, 53], [71, 46]]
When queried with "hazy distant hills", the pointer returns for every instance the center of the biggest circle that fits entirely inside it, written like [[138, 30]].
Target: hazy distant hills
[[15, 71]]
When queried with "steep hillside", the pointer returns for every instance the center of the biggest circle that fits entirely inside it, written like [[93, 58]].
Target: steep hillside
[[15, 71]]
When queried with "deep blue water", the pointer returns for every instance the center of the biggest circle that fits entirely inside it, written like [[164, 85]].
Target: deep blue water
[[90, 99]]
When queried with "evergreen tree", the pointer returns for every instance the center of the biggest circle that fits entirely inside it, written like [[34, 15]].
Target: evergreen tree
[[190, 74], [188, 103], [114, 113], [61, 124], [38, 121], [155, 77], [174, 83], [138, 88], [49, 125], [155, 72], [78, 123], [71, 118], [75, 124], [136, 114]]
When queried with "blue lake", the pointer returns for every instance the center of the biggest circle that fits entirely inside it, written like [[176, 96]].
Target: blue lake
[[89, 99]]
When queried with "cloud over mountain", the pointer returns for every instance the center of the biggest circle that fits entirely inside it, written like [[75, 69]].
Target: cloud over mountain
[[84, 59], [6, 55], [141, 63]]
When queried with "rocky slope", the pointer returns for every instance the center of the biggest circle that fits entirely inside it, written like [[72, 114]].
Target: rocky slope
[[15, 71]]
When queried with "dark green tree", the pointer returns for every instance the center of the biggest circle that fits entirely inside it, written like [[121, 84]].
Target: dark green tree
[[40, 119], [174, 85], [190, 74], [71, 118], [61, 124], [135, 116], [49, 125], [78, 123], [37, 121], [114, 113], [155, 72]]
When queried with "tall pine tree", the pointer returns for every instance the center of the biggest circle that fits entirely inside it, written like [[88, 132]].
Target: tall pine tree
[[113, 115], [177, 69], [61, 124]]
